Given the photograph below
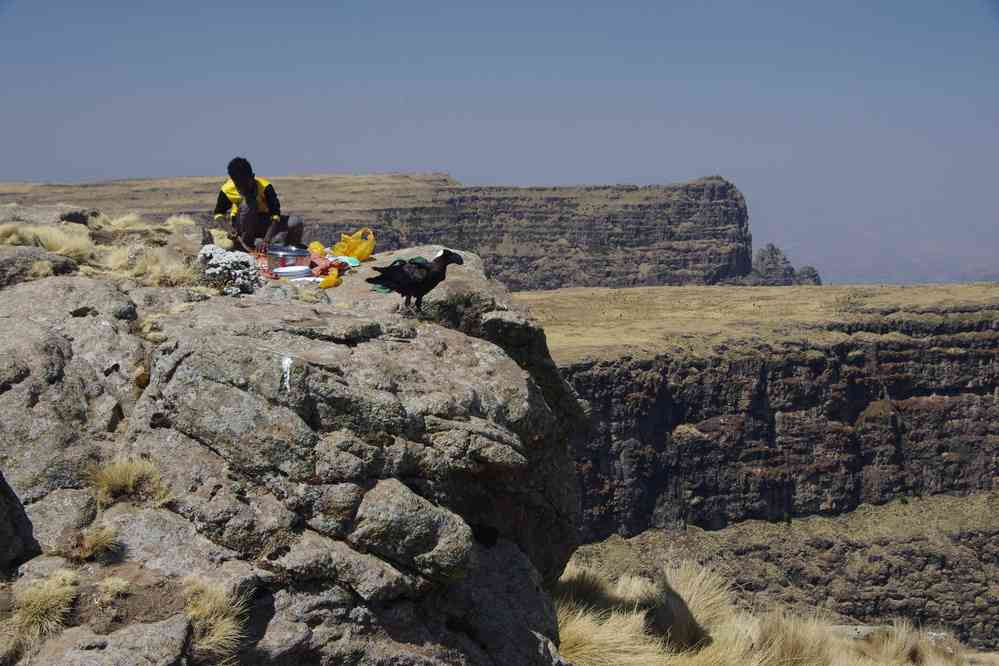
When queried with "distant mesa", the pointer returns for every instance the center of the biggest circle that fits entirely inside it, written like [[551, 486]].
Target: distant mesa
[[530, 238]]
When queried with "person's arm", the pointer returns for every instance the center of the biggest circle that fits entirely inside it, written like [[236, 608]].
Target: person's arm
[[274, 206], [222, 206]]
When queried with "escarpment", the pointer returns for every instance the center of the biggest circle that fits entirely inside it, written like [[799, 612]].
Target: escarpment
[[529, 237], [715, 405], [378, 489], [546, 238]]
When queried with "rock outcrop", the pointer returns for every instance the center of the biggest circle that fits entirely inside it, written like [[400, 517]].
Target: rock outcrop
[[772, 268], [529, 237], [383, 490], [17, 542]]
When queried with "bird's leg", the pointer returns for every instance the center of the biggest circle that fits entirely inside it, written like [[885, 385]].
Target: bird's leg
[[419, 303]]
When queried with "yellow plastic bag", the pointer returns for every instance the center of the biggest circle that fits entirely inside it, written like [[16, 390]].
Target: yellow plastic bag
[[343, 247], [360, 244], [315, 247], [332, 279], [362, 247]]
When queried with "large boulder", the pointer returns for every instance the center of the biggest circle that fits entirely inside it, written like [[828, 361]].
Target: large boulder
[[16, 539], [385, 488], [19, 264]]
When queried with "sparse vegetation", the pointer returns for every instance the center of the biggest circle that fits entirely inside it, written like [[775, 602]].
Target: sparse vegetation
[[130, 246], [40, 610], [591, 637], [634, 621], [221, 239], [68, 239], [93, 543], [217, 617], [40, 269], [126, 478], [111, 588]]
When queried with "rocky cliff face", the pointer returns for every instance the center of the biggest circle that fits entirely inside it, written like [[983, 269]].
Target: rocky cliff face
[[786, 403], [529, 237], [905, 403], [546, 238], [382, 490]]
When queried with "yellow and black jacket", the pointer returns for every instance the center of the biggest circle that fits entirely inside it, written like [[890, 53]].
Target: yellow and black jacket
[[230, 198]]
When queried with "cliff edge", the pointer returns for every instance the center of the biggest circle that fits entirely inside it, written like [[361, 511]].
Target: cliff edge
[[363, 487]]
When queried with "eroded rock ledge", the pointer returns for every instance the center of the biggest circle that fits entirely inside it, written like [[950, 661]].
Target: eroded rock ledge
[[386, 490]]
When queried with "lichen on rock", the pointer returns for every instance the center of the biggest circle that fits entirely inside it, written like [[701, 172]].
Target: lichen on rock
[[232, 272]]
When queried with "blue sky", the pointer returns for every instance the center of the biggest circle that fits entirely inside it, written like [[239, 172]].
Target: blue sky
[[863, 134]]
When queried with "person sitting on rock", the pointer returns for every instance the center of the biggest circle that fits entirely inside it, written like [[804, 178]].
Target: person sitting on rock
[[254, 210]]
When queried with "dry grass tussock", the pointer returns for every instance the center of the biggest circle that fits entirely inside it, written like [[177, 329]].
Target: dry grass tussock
[[94, 543], [111, 588], [70, 240], [40, 610], [217, 616], [688, 618], [152, 266], [127, 478], [160, 255], [167, 263]]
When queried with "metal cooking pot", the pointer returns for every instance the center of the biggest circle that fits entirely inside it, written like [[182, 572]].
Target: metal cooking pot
[[286, 255], [292, 272]]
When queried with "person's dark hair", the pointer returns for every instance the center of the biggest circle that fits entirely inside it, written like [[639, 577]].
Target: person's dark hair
[[239, 167]]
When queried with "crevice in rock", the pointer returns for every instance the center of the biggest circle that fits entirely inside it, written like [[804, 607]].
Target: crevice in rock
[[460, 625], [485, 534], [349, 341], [85, 311]]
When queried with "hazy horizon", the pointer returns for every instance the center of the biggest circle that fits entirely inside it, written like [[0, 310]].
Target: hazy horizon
[[863, 138]]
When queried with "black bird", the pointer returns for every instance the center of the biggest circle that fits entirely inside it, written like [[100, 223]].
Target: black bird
[[415, 278]]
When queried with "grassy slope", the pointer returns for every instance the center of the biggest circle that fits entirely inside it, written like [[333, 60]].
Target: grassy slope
[[608, 323], [869, 556], [334, 196]]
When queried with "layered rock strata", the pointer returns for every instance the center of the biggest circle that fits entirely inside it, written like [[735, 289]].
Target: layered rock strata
[[835, 404], [529, 237]]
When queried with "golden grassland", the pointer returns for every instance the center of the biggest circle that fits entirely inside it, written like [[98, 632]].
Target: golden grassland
[[333, 194], [607, 323], [688, 617], [340, 198], [932, 517]]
